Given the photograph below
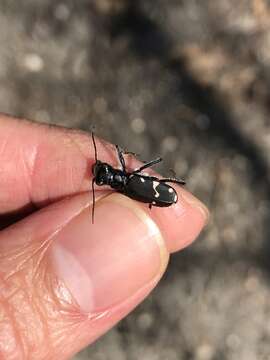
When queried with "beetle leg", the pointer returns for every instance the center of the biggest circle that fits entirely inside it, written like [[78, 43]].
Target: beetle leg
[[121, 157], [172, 180], [150, 206], [147, 165]]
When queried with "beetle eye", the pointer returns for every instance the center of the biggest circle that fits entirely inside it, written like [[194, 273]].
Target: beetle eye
[[118, 178], [99, 181]]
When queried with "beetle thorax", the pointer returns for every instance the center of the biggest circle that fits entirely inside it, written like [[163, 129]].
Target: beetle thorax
[[119, 180]]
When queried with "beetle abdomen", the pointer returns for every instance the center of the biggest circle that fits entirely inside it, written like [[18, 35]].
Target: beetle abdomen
[[149, 190]]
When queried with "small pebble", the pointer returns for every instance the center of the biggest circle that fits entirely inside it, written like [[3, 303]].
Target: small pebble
[[138, 125], [33, 62]]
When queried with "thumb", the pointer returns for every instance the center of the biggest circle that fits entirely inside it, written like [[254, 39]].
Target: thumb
[[65, 281]]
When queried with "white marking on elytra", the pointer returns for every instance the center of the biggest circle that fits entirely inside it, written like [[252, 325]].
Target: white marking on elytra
[[154, 203], [170, 190], [155, 185], [142, 179], [175, 198]]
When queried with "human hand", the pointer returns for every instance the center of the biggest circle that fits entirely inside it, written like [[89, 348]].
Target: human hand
[[63, 280]]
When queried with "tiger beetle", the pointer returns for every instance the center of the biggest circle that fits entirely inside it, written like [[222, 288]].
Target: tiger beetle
[[134, 184]]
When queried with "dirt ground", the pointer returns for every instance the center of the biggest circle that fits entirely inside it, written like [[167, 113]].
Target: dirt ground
[[188, 80]]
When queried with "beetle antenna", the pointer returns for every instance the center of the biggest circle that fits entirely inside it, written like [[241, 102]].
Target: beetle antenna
[[94, 200], [95, 146]]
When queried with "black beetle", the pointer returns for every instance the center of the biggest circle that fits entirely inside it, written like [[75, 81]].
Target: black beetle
[[136, 185]]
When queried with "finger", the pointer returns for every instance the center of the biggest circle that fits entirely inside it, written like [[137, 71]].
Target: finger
[[181, 222], [40, 164], [64, 281]]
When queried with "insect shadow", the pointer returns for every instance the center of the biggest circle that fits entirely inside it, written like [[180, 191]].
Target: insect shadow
[[134, 184]]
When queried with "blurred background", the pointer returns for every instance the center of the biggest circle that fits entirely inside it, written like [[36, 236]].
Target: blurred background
[[187, 80]]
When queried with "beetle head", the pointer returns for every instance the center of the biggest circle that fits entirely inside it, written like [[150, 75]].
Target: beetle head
[[102, 173]]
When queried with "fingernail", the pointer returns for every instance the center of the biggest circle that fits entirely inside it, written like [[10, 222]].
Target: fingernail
[[106, 263]]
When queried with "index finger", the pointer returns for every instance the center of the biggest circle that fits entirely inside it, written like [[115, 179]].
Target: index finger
[[40, 164]]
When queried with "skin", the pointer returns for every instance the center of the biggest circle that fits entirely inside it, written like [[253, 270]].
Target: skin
[[63, 280]]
